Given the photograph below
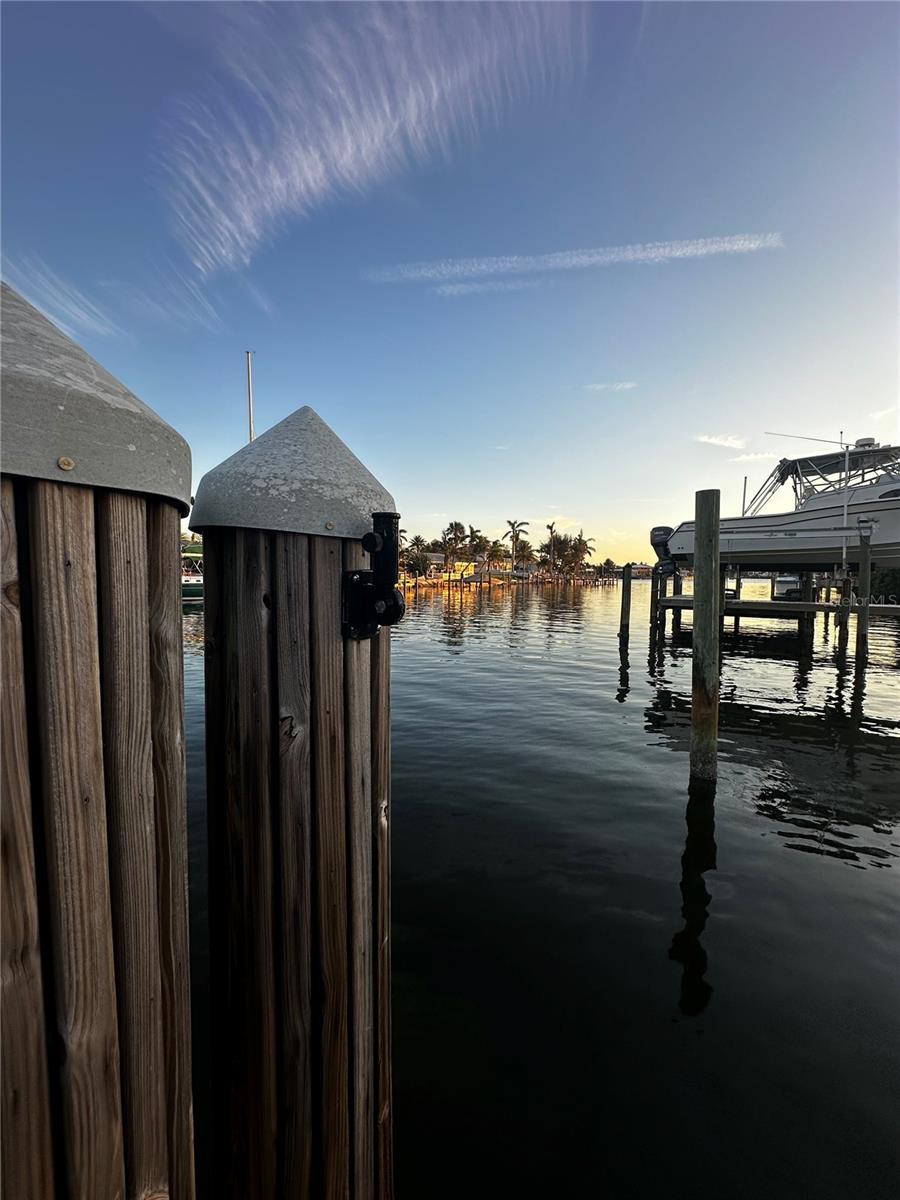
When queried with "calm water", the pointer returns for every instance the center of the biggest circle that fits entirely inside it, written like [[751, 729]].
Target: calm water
[[601, 989]]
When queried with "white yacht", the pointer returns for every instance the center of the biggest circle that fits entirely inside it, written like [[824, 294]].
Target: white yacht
[[837, 497]]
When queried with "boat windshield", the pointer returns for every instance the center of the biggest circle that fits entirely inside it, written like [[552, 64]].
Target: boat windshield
[[836, 471]]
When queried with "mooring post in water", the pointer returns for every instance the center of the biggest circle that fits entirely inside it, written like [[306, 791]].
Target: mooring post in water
[[660, 608], [705, 655], [677, 589], [625, 615], [298, 781], [94, 822], [654, 599], [863, 595], [806, 622], [842, 615]]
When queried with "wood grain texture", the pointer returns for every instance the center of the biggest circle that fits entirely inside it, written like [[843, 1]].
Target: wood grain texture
[[131, 821], [26, 1139], [381, 814], [63, 566], [220, 689], [327, 689], [294, 824], [170, 808], [251, 910], [708, 609], [358, 745]]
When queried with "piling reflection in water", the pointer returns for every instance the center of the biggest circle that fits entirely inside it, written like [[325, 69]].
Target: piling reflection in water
[[699, 857]]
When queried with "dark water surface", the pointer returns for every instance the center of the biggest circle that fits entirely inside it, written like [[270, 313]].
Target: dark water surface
[[601, 988]]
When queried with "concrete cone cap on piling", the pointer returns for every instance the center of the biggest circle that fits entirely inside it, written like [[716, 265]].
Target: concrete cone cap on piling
[[297, 477], [67, 419]]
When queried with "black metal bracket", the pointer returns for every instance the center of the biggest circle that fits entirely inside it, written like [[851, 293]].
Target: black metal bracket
[[370, 599]]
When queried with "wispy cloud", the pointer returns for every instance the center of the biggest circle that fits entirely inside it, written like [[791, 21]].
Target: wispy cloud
[[756, 456], [441, 270], [625, 386], [468, 289], [728, 440], [166, 295], [315, 101], [501, 447], [882, 413], [66, 305]]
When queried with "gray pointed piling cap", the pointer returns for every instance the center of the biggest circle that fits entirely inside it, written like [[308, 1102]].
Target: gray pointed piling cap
[[67, 419], [297, 477]]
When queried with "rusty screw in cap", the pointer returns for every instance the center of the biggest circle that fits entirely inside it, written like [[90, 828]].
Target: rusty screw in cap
[[64, 463]]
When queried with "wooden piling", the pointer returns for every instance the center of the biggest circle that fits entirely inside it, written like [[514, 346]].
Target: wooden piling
[[625, 615], [67, 684], [806, 621], [26, 1143], [660, 611], [705, 657], [170, 811], [298, 788], [92, 744], [677, 589], [654, 598], [863, 599], [128, 766], [381, 806]]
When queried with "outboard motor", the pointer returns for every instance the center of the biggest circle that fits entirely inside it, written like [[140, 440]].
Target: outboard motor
[[659, 540]]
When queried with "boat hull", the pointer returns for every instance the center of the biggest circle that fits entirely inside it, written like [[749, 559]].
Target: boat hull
[[804, 540]]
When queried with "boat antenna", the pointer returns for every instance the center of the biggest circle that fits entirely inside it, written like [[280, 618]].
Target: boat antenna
[[249, 354], [801, 438]]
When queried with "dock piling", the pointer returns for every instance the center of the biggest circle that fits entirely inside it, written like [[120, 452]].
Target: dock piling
[[863, 599], [677, 589], [93, 690], [625, 615], [707, 624], [298, 731]]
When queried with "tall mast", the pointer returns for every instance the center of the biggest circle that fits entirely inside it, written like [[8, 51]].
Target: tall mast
[[249, 354]]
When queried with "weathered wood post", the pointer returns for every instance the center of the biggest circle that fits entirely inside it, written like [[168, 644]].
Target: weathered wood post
[[94, 821], [863, 595], [737, 595], [298, 785], [842, 616], [677, 590], [654, 598], [660, 609], [625, 616], [705, 654], [806, 621]]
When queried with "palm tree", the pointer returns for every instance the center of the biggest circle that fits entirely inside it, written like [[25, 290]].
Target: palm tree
[[551, 529], [526, 552], [582, 546], [418, 543], [513, 532], [494, 555]]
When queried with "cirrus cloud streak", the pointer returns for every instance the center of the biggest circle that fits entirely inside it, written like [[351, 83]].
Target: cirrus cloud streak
[[442, 270]]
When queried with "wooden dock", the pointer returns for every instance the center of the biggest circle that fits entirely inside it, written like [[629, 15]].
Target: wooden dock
[[778, 608]]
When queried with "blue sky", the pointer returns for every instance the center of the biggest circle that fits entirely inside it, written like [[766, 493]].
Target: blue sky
[[631, 226]]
